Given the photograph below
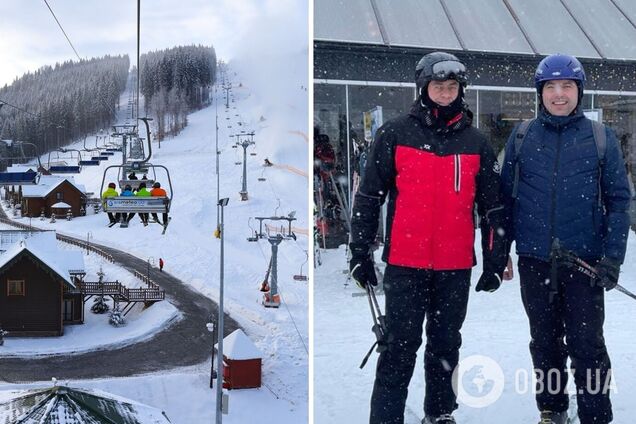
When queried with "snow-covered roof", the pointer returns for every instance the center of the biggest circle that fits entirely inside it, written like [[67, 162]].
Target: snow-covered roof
[[67, 405], [61, 205], [44, 246], [22, 168], [239, 347], [47, 184]]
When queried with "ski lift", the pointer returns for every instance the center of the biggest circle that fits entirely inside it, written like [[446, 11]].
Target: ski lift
[[300, 276], [271, 297], [103, 151], [135, 204], [65, 169], [94, 161], [25, 174], [283, 232]]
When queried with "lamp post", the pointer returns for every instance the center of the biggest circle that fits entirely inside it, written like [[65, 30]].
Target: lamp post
[[211, 328], [88, 237], [219, 359], [150, 260], [218, 176]]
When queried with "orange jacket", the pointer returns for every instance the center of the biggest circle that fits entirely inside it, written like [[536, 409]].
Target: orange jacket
[[158, 192]]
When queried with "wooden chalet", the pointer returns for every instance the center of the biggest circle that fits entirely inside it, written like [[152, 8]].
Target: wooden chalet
[[51, 190], [39, 287]]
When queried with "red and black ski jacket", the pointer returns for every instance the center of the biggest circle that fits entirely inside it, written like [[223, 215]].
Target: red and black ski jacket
[[433, 175]]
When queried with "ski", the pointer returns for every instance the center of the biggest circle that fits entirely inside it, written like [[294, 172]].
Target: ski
[[573, 413], [112, 224], [410, 417]]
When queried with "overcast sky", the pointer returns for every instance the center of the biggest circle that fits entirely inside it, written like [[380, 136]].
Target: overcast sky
[[30, 37]]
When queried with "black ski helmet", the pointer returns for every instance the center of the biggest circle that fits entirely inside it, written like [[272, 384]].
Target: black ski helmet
[[439, 66]]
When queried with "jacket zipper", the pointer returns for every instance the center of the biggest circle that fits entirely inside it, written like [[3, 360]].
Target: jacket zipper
[[554, 185], [458, 173]]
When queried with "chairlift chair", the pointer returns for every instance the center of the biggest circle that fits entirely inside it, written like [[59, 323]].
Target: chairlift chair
[[28, 177], [300, 276], [134, 204], [65, 169]]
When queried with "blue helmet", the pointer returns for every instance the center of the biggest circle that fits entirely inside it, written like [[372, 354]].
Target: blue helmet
[[559, 67]]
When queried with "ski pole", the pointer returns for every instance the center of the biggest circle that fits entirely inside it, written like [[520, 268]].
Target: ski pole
[[379, 326], [589, 270]]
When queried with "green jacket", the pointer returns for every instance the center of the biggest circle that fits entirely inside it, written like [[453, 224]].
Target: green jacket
[[110, 192], [143, 193]]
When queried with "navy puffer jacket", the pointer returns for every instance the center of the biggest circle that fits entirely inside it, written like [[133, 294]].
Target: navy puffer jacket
[[558, 190]]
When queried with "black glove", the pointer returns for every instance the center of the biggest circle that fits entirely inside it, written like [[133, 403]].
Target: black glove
[[608, 270], [489, 281], [363, 271]]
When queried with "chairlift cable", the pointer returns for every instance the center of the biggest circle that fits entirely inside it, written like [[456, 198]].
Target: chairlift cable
[[63, 32]]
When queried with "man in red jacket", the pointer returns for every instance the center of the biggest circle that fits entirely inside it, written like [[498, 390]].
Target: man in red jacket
[[433, 166]]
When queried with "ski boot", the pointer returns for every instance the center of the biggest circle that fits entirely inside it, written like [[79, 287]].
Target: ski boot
[[442, 419], [549, 417]]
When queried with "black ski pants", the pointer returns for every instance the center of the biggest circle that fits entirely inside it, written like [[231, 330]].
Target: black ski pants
[[411, 295], [576, 314]]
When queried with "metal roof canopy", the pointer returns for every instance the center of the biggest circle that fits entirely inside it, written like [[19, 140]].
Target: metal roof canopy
[[592, 29]]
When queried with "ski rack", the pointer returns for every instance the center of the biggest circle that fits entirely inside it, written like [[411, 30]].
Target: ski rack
[[289, 234]]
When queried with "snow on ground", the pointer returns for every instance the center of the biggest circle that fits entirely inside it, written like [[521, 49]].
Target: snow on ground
[[191, 252], [496, 326]]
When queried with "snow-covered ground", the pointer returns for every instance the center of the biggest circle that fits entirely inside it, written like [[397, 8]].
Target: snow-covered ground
[[278, 114], [496, 326]]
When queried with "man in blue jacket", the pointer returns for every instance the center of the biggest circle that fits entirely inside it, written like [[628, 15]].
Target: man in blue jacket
[[566, 191]]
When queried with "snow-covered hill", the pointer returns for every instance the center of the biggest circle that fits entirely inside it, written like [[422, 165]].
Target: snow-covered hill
[[191, 252]]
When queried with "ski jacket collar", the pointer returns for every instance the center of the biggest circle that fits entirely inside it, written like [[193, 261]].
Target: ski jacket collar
[[429, 119], [559, 122]]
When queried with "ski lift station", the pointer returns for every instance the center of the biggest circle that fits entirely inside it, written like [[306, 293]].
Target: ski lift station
[[365, 53]]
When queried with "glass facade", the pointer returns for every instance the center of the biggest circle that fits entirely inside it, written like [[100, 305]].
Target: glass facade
[[619, 112], [500, 111]]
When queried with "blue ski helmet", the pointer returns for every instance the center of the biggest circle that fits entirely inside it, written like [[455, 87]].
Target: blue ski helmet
[[439, 66], [559, 67]]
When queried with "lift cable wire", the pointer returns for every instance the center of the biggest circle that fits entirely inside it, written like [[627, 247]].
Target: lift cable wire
[[4, 102], [63, 32], [111, 108]]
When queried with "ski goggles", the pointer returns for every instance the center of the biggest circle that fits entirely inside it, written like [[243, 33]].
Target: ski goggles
[[449, 69]]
